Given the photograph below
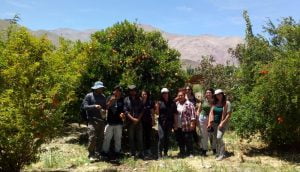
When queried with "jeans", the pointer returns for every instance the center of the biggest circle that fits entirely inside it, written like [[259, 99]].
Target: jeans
[[218, 137], [135, 134], [163, 139], [185, 141], [95, 132], [109, 132], [206, 136]]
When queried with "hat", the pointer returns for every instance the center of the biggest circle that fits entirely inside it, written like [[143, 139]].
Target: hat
[[218, 91], [131, 87], [97, 85], [164, 90]]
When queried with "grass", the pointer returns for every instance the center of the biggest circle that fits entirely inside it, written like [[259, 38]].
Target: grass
[[68, 153]]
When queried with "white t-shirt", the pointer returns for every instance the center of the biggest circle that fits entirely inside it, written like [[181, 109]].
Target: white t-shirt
[[180, 109]]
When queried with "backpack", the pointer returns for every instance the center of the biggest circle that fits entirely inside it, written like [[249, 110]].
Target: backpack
[[83, 113]]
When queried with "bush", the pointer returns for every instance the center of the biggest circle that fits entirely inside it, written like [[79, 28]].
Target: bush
[[37, 82]]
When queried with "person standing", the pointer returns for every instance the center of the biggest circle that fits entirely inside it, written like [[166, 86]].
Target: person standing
[[185, 123], [113, 129], [147, 120], [95, 105], [165, 108], [134, 112], [218, 120], [190, 96], [203, 111]]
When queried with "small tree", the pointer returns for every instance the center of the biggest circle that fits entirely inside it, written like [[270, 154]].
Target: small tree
[[126, 54], [37, 82], [268, 80]]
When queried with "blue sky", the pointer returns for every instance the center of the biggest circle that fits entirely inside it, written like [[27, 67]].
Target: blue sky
[[188, 17]]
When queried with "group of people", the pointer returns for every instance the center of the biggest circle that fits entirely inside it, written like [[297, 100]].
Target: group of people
[[183, 114]]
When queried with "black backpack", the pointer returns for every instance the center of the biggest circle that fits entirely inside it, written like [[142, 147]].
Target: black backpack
[[83, 113]]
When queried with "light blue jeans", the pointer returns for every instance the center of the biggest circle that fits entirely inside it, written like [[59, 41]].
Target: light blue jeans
[[109, 132], [218, 137]]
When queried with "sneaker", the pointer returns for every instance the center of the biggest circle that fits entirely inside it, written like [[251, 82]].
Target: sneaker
[[92, 159], [219, 158], [214, 151], [203, 153]]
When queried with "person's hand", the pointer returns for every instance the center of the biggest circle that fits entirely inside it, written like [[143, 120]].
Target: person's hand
[[122, 116], [221, 126], [135, 120], [98, 106], [192, 125], [175, 127]]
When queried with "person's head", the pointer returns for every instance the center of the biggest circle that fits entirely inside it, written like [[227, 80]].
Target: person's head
[[117, 91], [219, 96], [165, 94], [209, 93], [132, 90], [189, 90], [181, 96], [145, 95], [98, 87]]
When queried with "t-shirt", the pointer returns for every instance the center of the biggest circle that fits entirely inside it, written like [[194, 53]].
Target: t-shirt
[[133, 106], [166, 113], [89, 104], [180, 109], [218, 110], [205, 108], [114, 111], [147, 116]]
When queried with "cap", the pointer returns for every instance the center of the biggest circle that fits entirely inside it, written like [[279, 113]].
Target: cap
[[164, 90]]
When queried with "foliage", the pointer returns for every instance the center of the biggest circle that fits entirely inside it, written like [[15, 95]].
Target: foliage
[[268, 80], [216, 75], [125, 54], [37, 82]]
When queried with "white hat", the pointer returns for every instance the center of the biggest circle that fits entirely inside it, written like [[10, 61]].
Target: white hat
[[97, 85], [164, 90], [218, 91]]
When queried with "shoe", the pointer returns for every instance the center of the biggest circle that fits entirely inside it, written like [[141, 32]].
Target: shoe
[[203, 153], [92, 159], [214, 151], [219, 158], [191, 156]]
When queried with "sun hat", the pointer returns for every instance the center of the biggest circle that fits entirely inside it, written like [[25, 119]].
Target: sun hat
[[164, 90], [219, 91], [131, 87], [97, 85]]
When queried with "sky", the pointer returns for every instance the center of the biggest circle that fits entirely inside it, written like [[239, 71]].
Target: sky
[[185, 17]]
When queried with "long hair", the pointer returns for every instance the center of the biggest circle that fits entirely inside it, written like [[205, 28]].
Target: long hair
[[148, 95], [215, 100]]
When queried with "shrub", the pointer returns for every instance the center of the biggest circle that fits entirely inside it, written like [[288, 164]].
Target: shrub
[[37, 82]]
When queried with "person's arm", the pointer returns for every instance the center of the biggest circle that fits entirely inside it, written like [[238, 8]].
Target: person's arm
[[126, 110], [210, 117], [111, 101], [226, 114], [87, 105], [193, 116], [199, 108]]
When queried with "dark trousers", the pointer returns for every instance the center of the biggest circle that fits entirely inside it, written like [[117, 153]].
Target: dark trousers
[[185, 141], [147, 129], [135, 134], [163, 140], [96, 135]]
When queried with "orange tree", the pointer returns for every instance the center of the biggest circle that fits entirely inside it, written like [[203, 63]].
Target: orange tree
[[126, 54], [37, 82], [268, 80]]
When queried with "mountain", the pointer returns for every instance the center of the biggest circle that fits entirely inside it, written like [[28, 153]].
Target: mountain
[[192, 48]]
